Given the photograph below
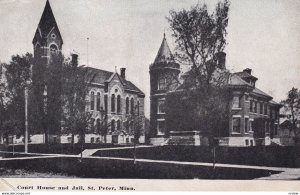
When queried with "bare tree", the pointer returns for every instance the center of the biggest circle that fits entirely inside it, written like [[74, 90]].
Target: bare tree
[[135, 124], [102, 124], [292, 105]]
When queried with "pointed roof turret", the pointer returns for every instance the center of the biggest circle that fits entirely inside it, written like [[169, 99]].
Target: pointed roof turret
[[47, 23], [164, 53]]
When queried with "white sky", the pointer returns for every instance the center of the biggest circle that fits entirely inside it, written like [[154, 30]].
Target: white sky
[[262, 35]]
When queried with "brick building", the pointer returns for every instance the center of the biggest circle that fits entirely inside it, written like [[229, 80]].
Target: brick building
[[110, 93], [253, 115]]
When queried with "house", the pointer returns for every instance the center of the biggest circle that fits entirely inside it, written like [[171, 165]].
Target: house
[[109, 93], [253, 116]]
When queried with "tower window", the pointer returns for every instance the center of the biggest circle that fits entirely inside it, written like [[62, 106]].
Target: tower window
[[161, 107], [53, 49], [162, 83], [160, 127]]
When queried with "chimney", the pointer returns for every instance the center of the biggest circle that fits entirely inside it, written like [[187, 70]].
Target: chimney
[[248, 70], [122, 70], [221, 60], [74, 59]]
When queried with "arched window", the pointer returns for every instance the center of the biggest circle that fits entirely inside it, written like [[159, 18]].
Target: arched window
[[127, 105], [98, 125], [113, 128], [118, 125], [118, 103], [53, 49], [92, 100], [132, 106], [98, 102], [113, 109], [105, 103], [92, 125]]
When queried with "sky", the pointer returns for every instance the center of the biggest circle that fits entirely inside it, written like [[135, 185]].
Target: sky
[[262, 35]]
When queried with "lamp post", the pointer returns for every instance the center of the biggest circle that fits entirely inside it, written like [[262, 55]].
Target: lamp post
[[26, 109]]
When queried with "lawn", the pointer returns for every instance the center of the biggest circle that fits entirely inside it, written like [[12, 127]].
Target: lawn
[[273, 156], [123, 169]]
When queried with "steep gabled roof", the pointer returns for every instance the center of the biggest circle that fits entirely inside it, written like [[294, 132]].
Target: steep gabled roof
[[99, 76], [164, 53], [47, 23]]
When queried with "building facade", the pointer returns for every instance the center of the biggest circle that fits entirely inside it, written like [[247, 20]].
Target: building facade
[[253, 115], [110, 94]]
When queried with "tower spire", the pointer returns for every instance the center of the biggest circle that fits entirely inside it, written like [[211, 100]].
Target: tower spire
[[164, 53], [47, 24]]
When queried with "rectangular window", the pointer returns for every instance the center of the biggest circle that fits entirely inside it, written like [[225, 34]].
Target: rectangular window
[[236, 124], [236, 103], [246, 97], [160, 127], [261, 108], [265, 109], [162, 83], [255, 107], [161, 107], [250, 125], [251, 106], [246, 125]]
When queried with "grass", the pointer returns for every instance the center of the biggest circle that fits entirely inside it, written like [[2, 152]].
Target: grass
[[21, 173], [259, 156], [126, 169]]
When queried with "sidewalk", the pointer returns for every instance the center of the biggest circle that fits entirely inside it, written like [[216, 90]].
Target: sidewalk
[[90, 152]]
